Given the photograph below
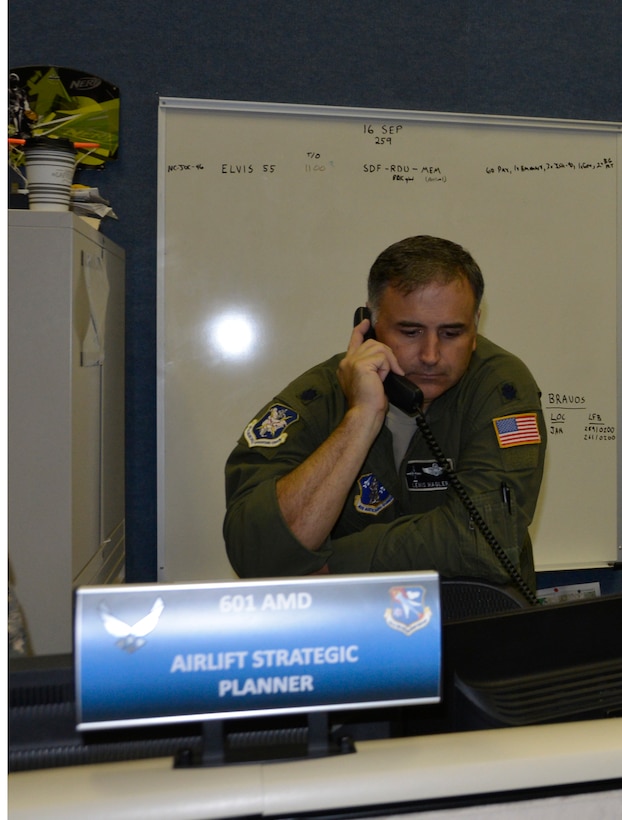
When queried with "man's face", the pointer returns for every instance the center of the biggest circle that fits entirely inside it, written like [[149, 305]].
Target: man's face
[[432, 331]]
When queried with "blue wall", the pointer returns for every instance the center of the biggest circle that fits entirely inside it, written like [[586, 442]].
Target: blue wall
[[540, 58]]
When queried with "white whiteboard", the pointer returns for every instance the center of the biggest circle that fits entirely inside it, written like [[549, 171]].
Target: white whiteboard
[[277, 212]]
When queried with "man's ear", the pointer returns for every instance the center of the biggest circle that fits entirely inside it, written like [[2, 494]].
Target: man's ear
[[477, 316]]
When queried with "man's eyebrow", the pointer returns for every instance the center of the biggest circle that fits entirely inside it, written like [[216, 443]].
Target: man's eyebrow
[[406, 323]]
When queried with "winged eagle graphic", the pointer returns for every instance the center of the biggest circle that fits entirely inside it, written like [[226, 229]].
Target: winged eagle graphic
[[131, 636]]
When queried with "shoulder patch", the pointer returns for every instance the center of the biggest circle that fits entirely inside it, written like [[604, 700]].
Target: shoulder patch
[[518, 429], [372, 497], [270, 429]]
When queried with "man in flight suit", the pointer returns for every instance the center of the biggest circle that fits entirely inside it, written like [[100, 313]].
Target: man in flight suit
[[331, 478]]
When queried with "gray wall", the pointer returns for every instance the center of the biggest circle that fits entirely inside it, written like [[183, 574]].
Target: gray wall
[[540, 58]]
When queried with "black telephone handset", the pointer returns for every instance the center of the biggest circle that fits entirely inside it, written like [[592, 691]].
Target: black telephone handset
[[402, 393]]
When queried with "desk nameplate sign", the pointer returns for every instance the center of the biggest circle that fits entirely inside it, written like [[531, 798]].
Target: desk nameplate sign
[[158, 653]]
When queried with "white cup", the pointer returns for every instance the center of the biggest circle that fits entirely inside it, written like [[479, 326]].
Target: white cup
[[50, 166]]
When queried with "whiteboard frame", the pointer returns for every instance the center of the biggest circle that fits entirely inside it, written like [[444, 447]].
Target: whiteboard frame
[[324, 111]]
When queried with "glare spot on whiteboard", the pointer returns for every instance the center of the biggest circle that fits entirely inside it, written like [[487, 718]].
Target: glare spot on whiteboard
[[233, 335]]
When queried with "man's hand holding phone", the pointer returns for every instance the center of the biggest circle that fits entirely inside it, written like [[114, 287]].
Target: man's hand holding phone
[[364, 368], [376, 359]]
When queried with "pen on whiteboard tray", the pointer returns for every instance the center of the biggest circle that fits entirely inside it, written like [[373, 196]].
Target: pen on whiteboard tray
[[505, 495]]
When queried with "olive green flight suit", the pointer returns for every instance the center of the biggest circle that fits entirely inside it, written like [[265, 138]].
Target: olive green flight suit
[[489, 425]]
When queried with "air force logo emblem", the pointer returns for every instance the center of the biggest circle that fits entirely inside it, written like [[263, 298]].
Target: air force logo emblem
[[372, 497], [269, 430], [130, 637], [408, 612]]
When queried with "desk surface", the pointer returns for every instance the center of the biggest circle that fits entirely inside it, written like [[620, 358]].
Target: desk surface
[[379, 773]]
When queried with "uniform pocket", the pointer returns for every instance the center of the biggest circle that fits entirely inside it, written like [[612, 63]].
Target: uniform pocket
[[495, 508]]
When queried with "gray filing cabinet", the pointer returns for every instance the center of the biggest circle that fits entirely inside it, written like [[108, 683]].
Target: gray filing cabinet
[[66, 489]]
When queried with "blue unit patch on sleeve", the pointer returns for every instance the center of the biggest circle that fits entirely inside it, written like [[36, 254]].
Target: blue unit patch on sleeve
[[270, 429], [373, 497]]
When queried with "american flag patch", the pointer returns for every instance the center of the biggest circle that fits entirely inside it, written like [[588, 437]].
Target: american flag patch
[[514, 430]]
